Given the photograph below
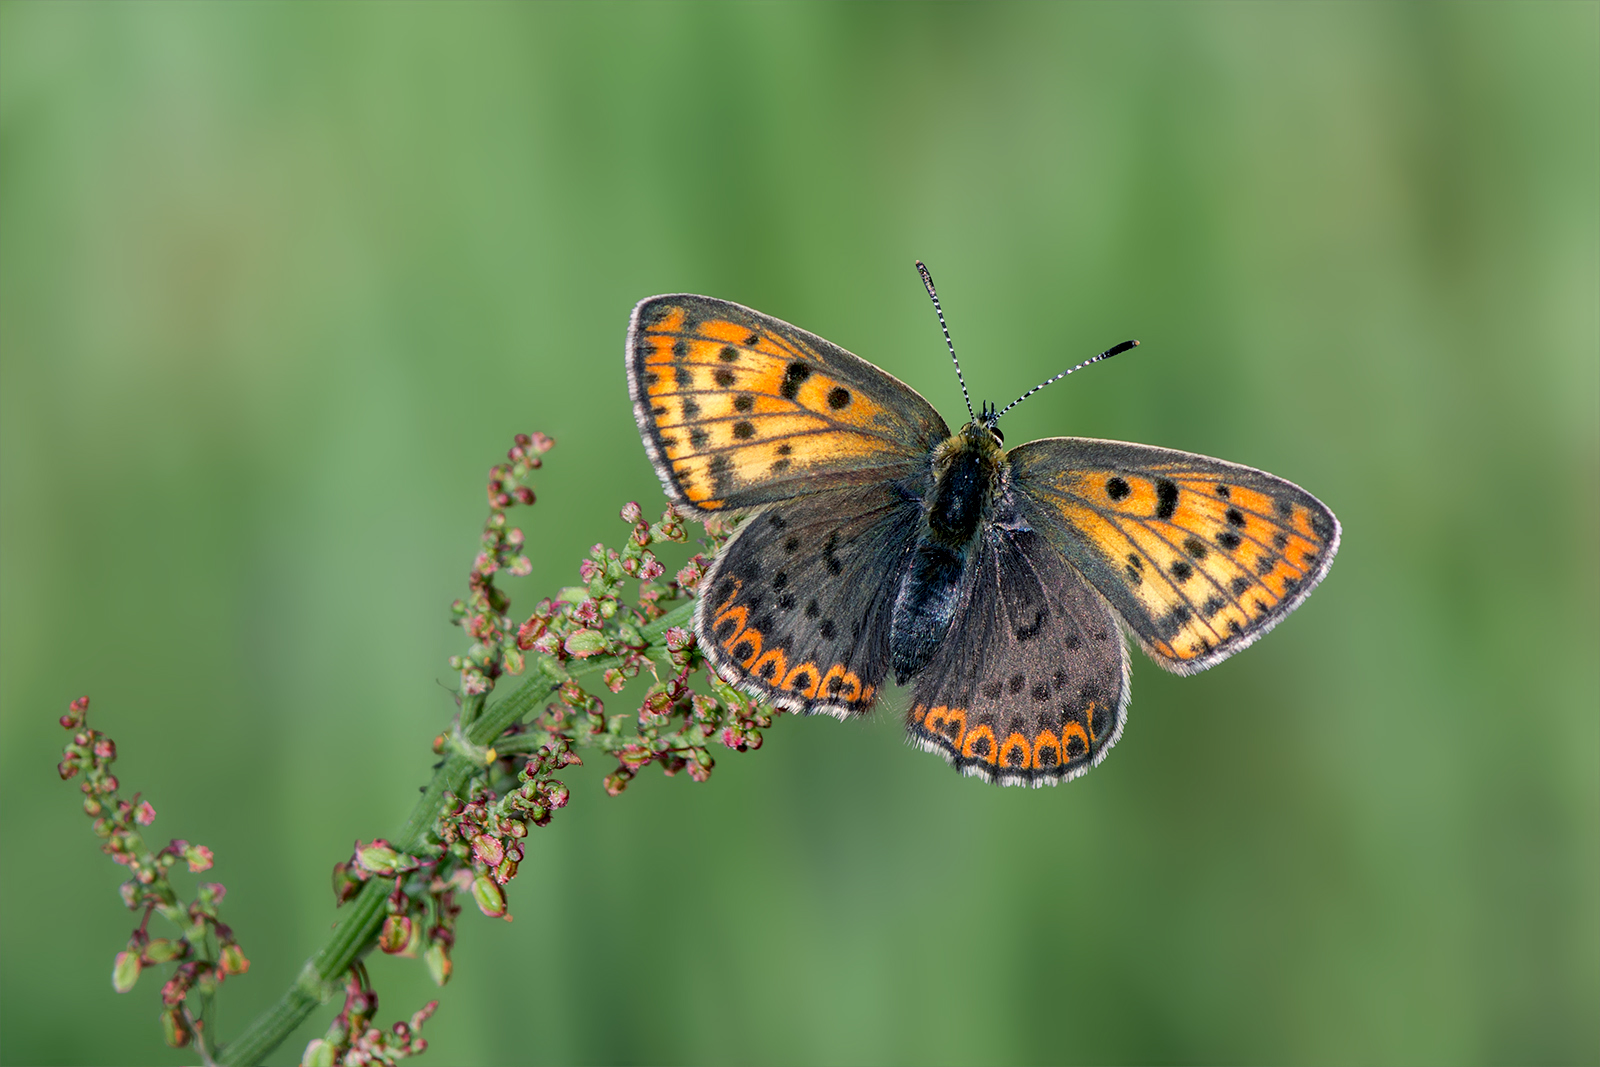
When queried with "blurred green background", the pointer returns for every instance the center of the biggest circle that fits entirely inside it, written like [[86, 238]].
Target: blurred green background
[[280, 282]]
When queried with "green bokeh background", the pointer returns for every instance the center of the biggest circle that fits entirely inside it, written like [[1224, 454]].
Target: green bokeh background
[[278, 284]]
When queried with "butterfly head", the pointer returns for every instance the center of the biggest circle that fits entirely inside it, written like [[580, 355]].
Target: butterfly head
[[981, 439], [984, 429]]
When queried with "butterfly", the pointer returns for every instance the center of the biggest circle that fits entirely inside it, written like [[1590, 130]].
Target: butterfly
[[995, 582]]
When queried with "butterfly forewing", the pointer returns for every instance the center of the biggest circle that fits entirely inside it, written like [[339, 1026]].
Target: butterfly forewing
[[737, 408], [1031, 685], [796, 607], [1198, 556]]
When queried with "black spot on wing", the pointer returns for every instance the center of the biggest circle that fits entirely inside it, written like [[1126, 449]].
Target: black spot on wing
[[1166, 498], [718, 468], [794, 376], [1028, 631]]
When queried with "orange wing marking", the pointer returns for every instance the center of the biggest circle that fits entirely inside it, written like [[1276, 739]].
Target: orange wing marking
[[1015, 753], [978, 744], [803, 680], [1046, 751], [1167, 532]]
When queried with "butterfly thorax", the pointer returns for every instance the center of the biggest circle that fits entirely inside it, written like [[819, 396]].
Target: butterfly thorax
[[966, 481], [966, 473]]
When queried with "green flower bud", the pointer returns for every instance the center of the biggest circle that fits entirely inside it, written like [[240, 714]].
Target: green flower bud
[[174, 1028], [320, 1053], [164, 950], [584, 643], [491, 901], [125, 971], [439, 965]]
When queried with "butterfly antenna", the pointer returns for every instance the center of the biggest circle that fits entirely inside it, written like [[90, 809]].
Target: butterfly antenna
[[1115, 350], [927, 283]]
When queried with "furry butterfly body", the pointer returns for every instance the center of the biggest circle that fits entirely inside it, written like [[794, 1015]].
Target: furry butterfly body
[[995, 583]]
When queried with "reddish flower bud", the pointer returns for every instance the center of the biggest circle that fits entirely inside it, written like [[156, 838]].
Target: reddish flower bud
[[524, 495], [144, 814], [631, 512], [395, 935], [233, 959], [199, 857], [488, 850], [530, 631]]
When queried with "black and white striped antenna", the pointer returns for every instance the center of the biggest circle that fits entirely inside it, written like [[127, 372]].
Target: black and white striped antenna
[[927, 283], [1115, 350]]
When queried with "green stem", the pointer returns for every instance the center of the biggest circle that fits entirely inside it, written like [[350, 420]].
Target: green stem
[[355, 936]]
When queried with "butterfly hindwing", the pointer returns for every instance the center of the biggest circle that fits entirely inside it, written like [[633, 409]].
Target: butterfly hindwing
[[1198, 556], [1031, 685], [737, 408], [795, 608]]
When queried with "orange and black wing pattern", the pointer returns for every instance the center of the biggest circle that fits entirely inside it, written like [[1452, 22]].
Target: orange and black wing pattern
[[1031, 685], [796, 607], [1198, 556], [737, 408]]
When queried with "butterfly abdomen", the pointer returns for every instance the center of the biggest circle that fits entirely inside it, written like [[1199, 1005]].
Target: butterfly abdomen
[[966, 477]]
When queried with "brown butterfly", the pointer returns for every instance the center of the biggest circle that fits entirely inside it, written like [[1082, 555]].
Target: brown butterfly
[[992, 581]]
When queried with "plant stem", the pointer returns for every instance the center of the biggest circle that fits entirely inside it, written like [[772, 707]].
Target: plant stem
[[355, 936]]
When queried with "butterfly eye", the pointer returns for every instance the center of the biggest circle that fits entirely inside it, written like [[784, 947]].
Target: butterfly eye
[[998, 436]]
